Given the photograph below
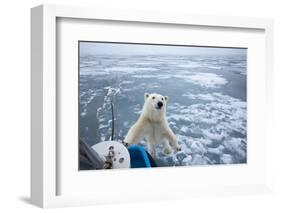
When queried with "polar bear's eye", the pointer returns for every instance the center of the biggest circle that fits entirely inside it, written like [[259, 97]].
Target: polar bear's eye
[[153, 97], [162, 99]]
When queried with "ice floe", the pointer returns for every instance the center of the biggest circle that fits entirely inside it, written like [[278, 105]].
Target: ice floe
[[210, 80], [211, 128]]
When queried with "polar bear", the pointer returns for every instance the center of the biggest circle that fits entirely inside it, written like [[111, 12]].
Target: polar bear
[[153, 126]]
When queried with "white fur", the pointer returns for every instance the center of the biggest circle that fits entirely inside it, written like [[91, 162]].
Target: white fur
[[153, 126]]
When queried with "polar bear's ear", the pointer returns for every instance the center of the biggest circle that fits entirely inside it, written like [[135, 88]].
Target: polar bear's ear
[[166, 98], [146, 95]]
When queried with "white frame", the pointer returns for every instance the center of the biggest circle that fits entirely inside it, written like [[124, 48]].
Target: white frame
[[43, 106]]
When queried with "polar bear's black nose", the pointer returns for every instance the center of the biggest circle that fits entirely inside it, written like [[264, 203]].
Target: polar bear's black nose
[[159, 104]]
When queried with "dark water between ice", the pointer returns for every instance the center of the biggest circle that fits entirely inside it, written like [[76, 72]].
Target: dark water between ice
[[206, 108]]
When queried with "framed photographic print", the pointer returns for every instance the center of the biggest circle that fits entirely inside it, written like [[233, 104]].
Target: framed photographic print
[[148, 105]]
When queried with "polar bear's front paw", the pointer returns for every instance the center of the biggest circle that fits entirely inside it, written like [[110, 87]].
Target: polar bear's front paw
[[177, 147], [168, 151], [125, 143]]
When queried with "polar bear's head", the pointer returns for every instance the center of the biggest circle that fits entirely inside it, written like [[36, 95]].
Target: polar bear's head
[[154, 106]]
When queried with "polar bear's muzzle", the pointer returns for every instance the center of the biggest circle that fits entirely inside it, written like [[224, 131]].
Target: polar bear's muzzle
[[159, 105]]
